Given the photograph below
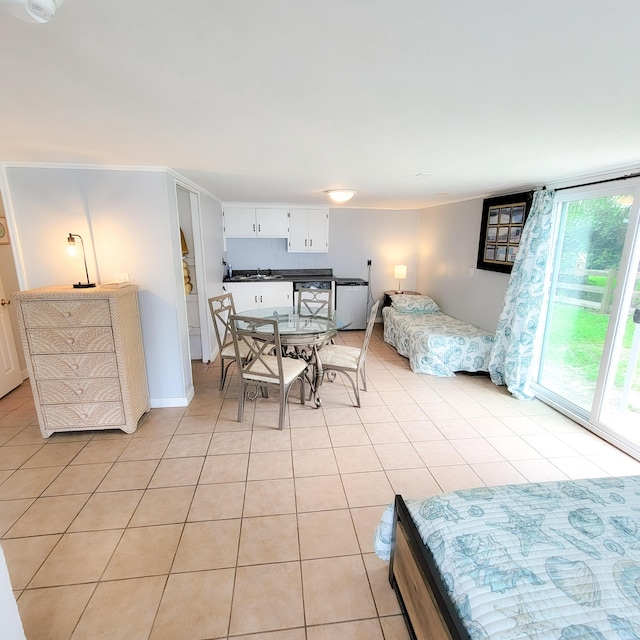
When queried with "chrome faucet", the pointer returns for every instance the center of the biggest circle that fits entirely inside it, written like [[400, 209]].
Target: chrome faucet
[[258, 272]]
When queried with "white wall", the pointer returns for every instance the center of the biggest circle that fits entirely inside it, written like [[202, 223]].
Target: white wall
[[129, 225], [355, 236], [448, 248]]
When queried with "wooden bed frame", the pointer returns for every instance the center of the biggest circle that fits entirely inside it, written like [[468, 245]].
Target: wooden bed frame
[[427, 608]]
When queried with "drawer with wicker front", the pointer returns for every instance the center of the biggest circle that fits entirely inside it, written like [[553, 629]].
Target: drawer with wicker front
[[72, 340], [79, 390], [83, 416], [66, 313], [75, 365]]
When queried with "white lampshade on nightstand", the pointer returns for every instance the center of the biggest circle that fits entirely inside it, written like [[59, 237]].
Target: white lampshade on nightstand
[[400, 273]]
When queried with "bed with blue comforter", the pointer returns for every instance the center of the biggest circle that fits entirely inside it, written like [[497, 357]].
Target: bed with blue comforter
[[434, 342], [553, 560]]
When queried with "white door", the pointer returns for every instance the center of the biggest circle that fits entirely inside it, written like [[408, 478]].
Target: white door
[[272, 223], [318, 230], [10, 375], [589, 364], [239, 222], [276, 294], [245, 295], [299, 230]]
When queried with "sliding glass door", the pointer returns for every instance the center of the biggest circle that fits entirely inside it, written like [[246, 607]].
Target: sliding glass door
[[589, 366]]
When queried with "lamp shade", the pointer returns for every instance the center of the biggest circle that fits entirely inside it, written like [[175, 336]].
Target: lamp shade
[[400, 271]]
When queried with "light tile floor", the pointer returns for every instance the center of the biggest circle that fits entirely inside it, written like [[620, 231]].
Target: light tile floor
[[198, 526]]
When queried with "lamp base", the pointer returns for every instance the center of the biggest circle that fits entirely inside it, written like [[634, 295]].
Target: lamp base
[[83, 285]]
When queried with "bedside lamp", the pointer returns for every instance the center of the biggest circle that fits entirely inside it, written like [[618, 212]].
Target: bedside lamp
[[399, 273], [71, 248]]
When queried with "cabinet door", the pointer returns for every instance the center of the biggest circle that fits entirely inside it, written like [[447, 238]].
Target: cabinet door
[[239, 222], [272, 223], [319, 230], [245, 296], [276, 294], [299, 230]]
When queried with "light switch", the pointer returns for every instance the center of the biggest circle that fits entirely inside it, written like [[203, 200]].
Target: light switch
[[472, 272]]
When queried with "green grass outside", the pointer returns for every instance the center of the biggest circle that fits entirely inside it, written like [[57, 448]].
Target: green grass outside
[[577, 338], [601, 281]]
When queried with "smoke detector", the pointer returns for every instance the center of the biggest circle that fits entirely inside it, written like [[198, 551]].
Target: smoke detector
[[39, 11]]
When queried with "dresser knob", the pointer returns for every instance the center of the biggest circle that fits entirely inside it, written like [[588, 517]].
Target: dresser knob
[[70, 340], [79, 392], [67, 314]]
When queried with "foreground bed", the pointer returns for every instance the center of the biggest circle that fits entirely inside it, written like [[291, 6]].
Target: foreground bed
[[548, 560], [434, 342]]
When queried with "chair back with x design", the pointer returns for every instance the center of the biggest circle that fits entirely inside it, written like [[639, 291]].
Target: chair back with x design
[[315, 302], [264, 363]]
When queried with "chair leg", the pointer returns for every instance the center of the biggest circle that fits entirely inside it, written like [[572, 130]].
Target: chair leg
[[223, 373], [302, 394], [283, 407], [356, 388], [241, 399], [364, 376]]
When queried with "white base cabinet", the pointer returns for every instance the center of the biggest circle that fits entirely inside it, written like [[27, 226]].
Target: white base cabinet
[[256, 295]]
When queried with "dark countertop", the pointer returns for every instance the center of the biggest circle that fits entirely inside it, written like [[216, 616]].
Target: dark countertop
[[289, 275]]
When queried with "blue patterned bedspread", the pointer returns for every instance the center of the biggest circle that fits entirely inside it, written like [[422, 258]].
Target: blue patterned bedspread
[[553, 560], [436, 343]]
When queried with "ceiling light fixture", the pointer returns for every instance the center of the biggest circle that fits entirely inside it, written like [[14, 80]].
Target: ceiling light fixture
[[340, 195], [39, 11]]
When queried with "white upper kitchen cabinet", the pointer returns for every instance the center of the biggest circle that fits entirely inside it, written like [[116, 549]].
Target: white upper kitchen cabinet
[[309, 230], [261, 222], [259, 295]]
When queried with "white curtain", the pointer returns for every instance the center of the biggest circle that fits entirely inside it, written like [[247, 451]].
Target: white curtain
[[516, 347]]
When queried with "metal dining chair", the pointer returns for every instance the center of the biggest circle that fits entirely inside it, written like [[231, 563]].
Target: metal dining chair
[[315, 302], [264, 364], [222, 307], [350, 360]]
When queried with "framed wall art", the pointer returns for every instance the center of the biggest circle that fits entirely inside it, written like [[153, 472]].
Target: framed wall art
[[503, 219], [4, 232]]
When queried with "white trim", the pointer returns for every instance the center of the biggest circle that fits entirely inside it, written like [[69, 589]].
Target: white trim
[[78, 165], [189, 185], [274, 205], [165, 403]]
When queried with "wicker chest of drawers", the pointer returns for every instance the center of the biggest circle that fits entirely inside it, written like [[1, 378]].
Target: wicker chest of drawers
[[84, 356]]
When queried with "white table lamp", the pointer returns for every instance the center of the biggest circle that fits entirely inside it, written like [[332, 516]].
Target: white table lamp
[[399, 273]]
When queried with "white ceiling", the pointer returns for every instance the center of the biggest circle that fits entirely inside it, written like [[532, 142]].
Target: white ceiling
[[277, 100]]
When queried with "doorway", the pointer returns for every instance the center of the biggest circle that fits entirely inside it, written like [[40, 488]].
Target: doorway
[[195, 286], [12, 363], [589, 366]]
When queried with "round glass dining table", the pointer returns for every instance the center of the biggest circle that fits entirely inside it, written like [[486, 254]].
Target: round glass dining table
[[303, 334]]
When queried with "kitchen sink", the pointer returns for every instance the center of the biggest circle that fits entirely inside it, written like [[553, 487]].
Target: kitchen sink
[[256, 276]]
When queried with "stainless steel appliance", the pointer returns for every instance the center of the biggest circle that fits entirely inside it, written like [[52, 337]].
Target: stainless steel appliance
[[313, 284], [352, 295]]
